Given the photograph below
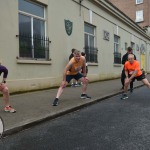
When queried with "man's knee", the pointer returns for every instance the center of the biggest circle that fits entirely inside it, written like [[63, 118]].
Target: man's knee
[[126, 84], [63, 85], [85, 80], [5, 90]]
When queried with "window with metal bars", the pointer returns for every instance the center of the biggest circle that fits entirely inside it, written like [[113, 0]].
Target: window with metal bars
[[117, 54], [33, 43], [89, 42]]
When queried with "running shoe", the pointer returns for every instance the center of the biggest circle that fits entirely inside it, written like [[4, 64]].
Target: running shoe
[[72, 85], [85, 96], [124, 96], [131, 90], [55, 102], [77, 84], [9, 109]]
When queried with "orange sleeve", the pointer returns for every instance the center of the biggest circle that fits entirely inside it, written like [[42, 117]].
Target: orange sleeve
[[125, 66], [137, 66]]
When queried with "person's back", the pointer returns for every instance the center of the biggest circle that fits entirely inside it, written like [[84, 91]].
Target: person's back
[[71, 55]]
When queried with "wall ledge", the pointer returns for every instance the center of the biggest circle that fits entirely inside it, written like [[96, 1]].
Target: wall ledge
[[23, 61], [117, 65]]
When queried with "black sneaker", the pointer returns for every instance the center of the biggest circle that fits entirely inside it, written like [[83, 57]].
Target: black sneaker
[[55, 102], [124, 96], [85, 96], [78, 84], [131, 90], [72, 85]]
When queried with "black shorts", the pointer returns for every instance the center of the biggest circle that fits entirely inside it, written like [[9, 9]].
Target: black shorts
[[76, 77], [141, 77]]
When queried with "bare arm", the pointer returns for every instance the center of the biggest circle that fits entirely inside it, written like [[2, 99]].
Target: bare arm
[[84, 68], [133, 75], [67, 68], [126, 73]]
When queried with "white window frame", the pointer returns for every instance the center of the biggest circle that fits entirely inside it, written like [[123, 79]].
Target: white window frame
[[139, 1], [133, 47], [117, 53], [91, 35], [32, 16], [139, 16], [125, 45], [116, 43]]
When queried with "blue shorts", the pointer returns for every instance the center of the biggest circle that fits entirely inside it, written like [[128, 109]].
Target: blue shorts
[[76, 77]]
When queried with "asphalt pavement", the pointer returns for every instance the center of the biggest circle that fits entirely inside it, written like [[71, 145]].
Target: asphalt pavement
[[112, 124], [36, 107]]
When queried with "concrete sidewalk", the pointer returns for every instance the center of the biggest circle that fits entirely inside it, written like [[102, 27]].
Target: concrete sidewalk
[[35, 107]]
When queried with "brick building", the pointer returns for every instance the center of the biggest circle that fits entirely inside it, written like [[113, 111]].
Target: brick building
[[137, 10]]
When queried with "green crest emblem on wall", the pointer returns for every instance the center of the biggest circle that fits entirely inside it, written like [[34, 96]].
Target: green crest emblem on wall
[[68, 27]]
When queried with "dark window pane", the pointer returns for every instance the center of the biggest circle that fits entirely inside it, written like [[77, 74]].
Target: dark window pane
[[117, 58], [31, 8], [38, 27], [116, 39], [91, 38], [91, 54], [89, 29], [25, 43], [24, 24], [39, 39], [86, 40], [39, 47]]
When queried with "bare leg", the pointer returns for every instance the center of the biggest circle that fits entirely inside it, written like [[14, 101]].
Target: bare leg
[[61, 89], [126, 84], [85, 83], [5, 91], [146, 82], [6, 96]]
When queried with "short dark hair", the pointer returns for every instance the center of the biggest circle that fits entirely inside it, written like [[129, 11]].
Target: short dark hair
[[76, 52], [83, 53], [129, 48], [73, 50]]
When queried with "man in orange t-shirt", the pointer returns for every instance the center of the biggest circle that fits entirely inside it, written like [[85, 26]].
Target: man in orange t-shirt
[[133, 71], [72, 71]]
